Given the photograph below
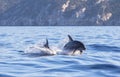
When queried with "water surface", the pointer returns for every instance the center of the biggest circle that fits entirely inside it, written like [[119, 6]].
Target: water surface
[[101, 59]]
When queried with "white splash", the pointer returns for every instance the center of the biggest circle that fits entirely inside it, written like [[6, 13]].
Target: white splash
[[39, 49], [68, 52]]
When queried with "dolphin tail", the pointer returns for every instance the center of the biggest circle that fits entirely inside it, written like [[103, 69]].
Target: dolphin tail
[[70, 38], [46, 44]]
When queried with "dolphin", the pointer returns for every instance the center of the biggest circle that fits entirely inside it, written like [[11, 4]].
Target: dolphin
[[46, 49], [72, 46], [42, 50]]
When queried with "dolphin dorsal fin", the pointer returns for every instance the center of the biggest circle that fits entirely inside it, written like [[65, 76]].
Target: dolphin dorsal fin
[[46, 44], [70, 38]]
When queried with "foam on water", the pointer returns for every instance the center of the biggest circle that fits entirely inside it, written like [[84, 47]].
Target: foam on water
[[39, 49]]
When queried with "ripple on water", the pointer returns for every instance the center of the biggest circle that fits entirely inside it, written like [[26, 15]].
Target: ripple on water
[[6, 45], [102, 47], [109, 67], [4, 35], [5, 75], [15, 63]]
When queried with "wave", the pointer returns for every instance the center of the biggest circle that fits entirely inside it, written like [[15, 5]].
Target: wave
[[4, 75], [102, 47], [6, 45], [105, 67]]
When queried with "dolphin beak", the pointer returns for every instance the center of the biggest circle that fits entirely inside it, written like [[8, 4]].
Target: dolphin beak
[[84, 48], [81, 51]]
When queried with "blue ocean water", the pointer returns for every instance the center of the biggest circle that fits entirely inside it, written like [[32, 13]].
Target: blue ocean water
[[101, 59]]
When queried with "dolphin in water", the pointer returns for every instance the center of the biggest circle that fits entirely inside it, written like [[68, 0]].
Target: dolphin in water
[[73, 46], [42, 50]]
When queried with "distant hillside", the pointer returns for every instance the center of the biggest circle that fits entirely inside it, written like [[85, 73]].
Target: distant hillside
[[59, 12], [6, 4]]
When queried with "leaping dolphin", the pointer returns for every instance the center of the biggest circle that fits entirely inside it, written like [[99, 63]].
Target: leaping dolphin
[[43, 50], [72, 46]]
